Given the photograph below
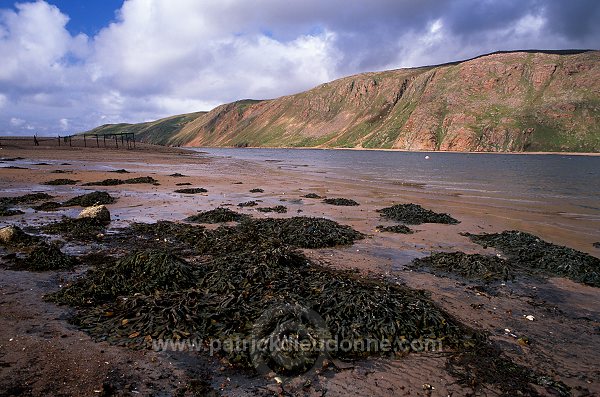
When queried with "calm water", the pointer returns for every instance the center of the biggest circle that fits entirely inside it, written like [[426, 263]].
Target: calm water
[[548, 179]]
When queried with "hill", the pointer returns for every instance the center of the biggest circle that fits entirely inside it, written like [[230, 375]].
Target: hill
[[509, 101]]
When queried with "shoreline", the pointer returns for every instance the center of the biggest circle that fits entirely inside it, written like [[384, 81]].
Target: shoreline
[[591, 154]]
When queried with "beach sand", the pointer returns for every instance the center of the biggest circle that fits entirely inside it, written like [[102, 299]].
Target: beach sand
[[42, 354]]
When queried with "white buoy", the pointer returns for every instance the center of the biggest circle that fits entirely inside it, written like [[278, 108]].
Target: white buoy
[[426, 157]]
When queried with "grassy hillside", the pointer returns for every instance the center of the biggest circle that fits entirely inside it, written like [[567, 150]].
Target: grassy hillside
[[516, 101]]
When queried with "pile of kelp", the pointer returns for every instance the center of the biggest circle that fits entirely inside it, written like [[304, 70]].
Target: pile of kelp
[[84, 200], [218, 215], [414, 214], [61, 182], [31, 253], [192, 190], [115, 182], [532, 255], [470, 266], [525, 254], [402, 229], [151, 295], [344, 202], [7, 202], [80, 229]]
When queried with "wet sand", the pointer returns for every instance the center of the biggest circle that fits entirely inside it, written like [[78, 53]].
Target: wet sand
[[565, 335]]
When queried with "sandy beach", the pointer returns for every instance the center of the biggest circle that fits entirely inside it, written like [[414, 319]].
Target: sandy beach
[[41, 353]]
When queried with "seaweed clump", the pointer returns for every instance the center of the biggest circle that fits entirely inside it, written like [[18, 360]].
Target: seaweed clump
[[402, 229], [44, 257], [90, 199], [341, 201], [115, 182], [251, 203], [312, 196], [61, 182], [82, 229], [257, 190], [218, 215], [414, 214], [532, 255], [280, 209], [48, 206], [120, 171], [470, 266], [142, 272], [193, 190], [485, 365], [25, 199], [10, 211]]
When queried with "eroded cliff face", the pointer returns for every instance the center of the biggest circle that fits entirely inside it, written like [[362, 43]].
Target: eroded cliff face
[[501, 102]]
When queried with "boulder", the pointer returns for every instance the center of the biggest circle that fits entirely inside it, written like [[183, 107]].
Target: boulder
[[98, 213]]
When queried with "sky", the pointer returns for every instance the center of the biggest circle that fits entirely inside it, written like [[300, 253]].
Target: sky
[[69, 65]]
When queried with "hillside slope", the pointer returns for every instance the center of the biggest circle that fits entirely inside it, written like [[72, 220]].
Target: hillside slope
[[516, 101]]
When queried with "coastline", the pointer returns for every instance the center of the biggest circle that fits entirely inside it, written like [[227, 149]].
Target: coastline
[[592, 154], [567, 309]]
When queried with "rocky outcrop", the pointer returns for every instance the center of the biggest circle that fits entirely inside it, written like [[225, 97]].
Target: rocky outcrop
[[516, 101], [97, 213]]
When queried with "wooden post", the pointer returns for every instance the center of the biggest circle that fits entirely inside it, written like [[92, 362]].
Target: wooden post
[[97, 142], [104, 137], [70, 142], [133, 134], [116, 141], [84, 141], [59, 140]]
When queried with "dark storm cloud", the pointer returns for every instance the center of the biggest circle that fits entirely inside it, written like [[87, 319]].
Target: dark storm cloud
[[576, 19]]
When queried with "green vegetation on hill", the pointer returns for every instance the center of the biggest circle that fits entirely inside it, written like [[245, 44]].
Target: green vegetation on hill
[[508, 101]]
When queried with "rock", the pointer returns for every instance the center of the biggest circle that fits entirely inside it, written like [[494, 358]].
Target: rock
[[9, 234], [97, 212]]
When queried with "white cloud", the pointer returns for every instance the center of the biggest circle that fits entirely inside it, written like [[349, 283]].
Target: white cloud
[[17, 122]]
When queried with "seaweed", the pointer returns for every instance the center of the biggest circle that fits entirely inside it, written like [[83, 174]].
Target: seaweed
[[25, 199], [227, 296], [403, 229], [142, 272], [312, 195], [194, 190], [90, 199], [61, 172], [257, 190], [218, 215], [44, 257], [120, 171], [341, 201], [485, 365], [470, 266], [280, 209], [61, 182], [115, 182], [533, 255], [48, 206], [178, 175], [414, 214], [14, 167], [596, 244], [165, 234], [251, 203], [9, 212], [82, 229], [183, 184]]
